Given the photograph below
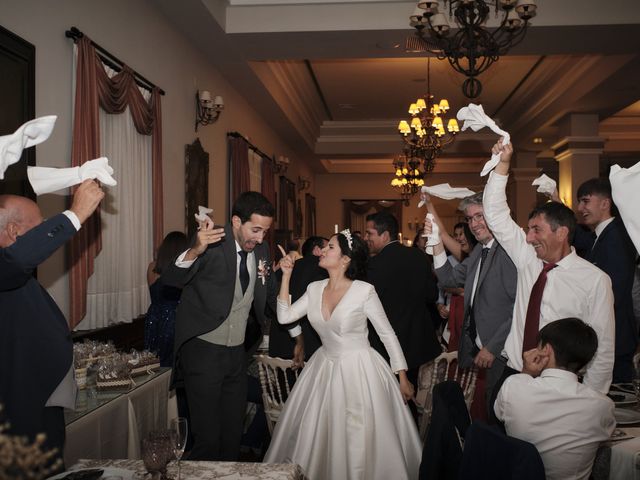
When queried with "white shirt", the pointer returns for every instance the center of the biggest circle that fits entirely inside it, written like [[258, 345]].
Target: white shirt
[[575, 288], [564, 419]]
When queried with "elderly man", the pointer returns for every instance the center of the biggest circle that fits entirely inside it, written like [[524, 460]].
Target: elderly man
[[547, 406], [36, 352], [489, 279], [553, 281]]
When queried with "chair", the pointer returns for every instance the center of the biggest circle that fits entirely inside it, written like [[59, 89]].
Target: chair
[[444, 367], [276, 379]]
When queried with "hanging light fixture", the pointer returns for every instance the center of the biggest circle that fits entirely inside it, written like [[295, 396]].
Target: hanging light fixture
[[474, 47], [425, 134], [409, 177]]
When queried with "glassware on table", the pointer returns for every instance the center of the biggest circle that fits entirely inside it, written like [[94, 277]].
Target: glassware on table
[[157, 452], [636, 379], [180, 431]]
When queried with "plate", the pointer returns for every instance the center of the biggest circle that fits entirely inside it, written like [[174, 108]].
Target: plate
[[624, 387], [622, 398], [625, 416], [107, 472]]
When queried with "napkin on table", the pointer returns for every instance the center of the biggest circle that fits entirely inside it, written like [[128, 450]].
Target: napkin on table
[[29, 134]]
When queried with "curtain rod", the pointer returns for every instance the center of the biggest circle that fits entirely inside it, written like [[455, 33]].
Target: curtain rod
[[251, 145], [111, 60]]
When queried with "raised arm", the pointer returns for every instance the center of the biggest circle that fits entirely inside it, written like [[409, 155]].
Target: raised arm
[[447, 240]]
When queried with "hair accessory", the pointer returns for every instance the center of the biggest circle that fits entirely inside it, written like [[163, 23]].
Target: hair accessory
[[348, 236]]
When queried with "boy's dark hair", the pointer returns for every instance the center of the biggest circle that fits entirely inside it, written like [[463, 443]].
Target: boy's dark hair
[[311, 243], [598, 186], [173, 245], [574, 342], [384, 222], [249, 203], [358, 253], [557, 215]]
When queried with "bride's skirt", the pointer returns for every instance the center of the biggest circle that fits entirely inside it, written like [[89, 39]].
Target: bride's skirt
[[346, 419]]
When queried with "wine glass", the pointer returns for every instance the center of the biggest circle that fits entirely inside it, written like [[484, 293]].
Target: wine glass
[[180, 431]]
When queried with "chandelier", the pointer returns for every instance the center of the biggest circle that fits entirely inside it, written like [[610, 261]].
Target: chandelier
[[473, 48], [424, 134], [409, 177]]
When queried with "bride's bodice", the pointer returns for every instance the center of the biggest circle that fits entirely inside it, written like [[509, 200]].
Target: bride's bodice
[[346, 330]]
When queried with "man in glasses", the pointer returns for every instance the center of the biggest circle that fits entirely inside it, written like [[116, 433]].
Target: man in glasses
[[489, 279]]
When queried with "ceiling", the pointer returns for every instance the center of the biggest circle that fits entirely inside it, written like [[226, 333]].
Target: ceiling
[[334, 79]]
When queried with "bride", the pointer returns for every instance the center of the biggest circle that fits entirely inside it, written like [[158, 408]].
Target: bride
[[346, 417]]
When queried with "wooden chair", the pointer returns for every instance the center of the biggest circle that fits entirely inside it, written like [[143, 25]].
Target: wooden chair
[[444, 367], [276, 379]]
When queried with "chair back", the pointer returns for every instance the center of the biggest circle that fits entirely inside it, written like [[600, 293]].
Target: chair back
[[276, 380], [443, 367]]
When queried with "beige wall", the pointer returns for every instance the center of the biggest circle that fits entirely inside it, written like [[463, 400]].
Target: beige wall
[[139, 35]]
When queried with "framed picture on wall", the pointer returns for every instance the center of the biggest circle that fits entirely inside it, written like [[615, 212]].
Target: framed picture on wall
[[310, 214], [196, 189]]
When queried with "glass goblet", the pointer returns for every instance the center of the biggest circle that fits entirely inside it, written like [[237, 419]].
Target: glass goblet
[[155, 457], [180, 430]]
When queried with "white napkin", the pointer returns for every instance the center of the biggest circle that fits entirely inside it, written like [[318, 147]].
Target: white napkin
[[202, 216], [433, 238], [545, 184], [625, 189], [46, 180], [473, 117], [29, 134], [446, 192]]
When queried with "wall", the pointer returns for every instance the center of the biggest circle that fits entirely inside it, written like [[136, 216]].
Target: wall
[[138, 34]]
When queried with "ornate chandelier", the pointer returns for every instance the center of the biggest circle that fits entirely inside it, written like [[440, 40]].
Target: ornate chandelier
[[409, 176], [473, 48], [424, 134]]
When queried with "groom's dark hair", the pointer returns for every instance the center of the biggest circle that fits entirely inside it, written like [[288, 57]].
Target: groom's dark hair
[[249, 203], [384, 222]]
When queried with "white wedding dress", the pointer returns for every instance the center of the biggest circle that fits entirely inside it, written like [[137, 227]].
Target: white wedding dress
[[345, 417]]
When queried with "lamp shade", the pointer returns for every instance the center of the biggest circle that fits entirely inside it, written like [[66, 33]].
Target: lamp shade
[[415, 123], [444, 105], [218, 101], [421, 104], [437, 123], [205, 96], [452, 125], [439, 24], [526, 9], [413, 109], [417, 14]]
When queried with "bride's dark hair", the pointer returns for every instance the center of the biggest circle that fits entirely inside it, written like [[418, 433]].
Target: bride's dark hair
[[358, 253]]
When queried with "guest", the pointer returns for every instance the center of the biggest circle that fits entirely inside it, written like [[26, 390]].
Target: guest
[[160, 322], [547, 406], [283, 342], [611, 250], [36, 351], [223, 277], [345, 417], [489, 279], [405, 283], [553, 282]]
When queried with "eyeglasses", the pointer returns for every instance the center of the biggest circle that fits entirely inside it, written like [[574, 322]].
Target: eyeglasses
[[478, 217]]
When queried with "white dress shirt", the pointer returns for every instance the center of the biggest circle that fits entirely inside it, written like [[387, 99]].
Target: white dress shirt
[[575, 288], [564, 419]]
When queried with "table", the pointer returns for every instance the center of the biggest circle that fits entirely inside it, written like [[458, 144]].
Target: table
[[207, 470], [110, 424]]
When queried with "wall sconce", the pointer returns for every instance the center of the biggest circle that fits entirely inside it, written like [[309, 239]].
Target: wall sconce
[[207, 109], [303, 183], [281, 164]]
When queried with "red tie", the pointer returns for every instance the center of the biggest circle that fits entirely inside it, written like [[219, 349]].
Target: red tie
[[532, 322]]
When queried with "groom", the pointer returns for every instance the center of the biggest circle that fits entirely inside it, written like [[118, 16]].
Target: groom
[[226, 286]]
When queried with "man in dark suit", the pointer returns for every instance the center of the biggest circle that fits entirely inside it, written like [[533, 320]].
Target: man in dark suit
[[489, 279], [406, 286], [610, 249], [36, 351], [283, 341], [226, 285]]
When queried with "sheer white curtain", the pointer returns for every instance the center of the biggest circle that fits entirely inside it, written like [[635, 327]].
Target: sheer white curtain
[[255, 171], [118, 291]]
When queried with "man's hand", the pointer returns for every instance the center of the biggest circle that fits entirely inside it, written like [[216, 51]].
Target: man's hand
[[298, 352], [443, 310], [534, 361], [505, 159], [484, 358], [428, 227], [206, 236], [86, 199]]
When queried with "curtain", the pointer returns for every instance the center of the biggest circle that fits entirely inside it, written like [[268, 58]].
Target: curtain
[[255, 171], [268, 189], [355, 211], [93, 89], [239, 167]]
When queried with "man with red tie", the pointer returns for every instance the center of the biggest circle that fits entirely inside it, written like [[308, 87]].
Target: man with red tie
[[553, 281]]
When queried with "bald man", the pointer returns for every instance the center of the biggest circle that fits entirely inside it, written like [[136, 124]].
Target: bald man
[[36, 351]]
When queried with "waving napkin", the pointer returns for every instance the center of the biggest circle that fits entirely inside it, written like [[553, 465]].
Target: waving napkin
[[203, 217], [473, 117], [446, 192], [545, 184], [433, 238], [29, 134], [625, 190], [47, 180]]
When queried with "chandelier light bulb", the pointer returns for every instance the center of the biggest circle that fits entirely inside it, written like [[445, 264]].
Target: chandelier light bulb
[[444, 105], [420, 103], [437, 123], [416, 124], [413, 109], [452, 126]]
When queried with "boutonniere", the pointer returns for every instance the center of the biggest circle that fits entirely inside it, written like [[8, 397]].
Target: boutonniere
[[263, 270]]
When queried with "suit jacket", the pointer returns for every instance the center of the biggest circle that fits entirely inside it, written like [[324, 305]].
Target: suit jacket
[[493, 302], [305, 271], [406, 285], [615, 254], [36, 350], [208, 287]]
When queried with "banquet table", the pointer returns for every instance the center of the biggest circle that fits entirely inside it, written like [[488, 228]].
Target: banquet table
[[110, 424], [190, 470]]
